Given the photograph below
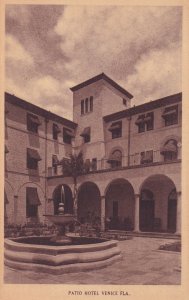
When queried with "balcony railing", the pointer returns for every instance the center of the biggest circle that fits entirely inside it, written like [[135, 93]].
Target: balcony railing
[[126, 162]]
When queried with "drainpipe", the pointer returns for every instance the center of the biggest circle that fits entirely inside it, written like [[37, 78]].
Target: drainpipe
[[129, 142], [46, 123]]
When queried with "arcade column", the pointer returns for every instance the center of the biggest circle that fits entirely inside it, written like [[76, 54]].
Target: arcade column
[[137, 207], [15, 208], [178, 225], [102, 213]]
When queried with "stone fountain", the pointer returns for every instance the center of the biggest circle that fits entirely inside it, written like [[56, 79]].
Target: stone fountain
[[61, 221], [60, 254]]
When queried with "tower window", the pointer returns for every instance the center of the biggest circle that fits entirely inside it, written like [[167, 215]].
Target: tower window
[[86, 105], [82, 107], [91, 103]]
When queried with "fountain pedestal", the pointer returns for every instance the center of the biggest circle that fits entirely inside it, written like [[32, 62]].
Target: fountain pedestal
[[61, 221]]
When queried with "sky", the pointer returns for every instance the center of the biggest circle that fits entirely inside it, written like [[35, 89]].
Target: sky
[[52, 48]]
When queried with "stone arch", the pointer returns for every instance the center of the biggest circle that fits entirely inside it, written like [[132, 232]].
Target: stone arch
[[115, 158], [119, 204], [89, 202], [153, 215], [170, 137], [116, 148], [32, 183], [67, 198], [8, 182]]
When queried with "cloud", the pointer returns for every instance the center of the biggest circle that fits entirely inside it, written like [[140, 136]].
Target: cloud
[[52, 48], [156, 74], [117, 40], [46, 92], [16, 52]]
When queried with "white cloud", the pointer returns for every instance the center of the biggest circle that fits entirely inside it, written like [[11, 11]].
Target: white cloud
[[46, 92], [16, 52], [13, 88], [138, 47], [117, 40], [156, 74]]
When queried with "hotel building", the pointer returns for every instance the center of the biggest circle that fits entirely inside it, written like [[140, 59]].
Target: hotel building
[[132, 154]]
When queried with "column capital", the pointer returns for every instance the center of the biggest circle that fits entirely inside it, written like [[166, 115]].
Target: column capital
[[102, 197]]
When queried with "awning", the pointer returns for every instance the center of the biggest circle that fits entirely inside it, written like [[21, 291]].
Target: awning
[[140, 119], [5, 198], [32, 196], [55, 160], [69, 132], [6, 149], [34, 119], [115, 126], [112, 159], [86, 132], [115, 156], [171, 146], [169, 112], [32, 153], [56, 128]]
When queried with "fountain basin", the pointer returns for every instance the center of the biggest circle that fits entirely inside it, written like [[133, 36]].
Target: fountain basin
[[64, 219], [34, 253]]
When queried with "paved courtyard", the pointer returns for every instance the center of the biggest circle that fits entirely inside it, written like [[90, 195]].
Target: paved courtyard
[[141, 263]]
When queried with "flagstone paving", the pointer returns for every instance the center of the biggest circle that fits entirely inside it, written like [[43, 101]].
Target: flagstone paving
[[141, 263]]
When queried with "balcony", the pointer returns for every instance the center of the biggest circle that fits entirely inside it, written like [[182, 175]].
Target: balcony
[[127, 162]]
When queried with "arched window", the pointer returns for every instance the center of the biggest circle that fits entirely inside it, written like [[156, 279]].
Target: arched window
[[115, 159], [170, 150]]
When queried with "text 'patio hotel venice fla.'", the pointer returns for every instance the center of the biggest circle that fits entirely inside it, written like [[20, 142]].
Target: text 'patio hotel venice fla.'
[[132, 175]]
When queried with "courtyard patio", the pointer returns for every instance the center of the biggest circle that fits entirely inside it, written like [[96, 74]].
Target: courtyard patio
[[141, 263]]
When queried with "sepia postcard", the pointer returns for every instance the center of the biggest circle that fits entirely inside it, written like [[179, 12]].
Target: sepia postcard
[[95, 161]]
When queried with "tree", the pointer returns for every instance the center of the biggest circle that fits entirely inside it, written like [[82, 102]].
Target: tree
[[74, 167]]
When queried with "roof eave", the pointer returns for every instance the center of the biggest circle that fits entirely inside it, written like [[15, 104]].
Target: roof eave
[[98, 77]]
